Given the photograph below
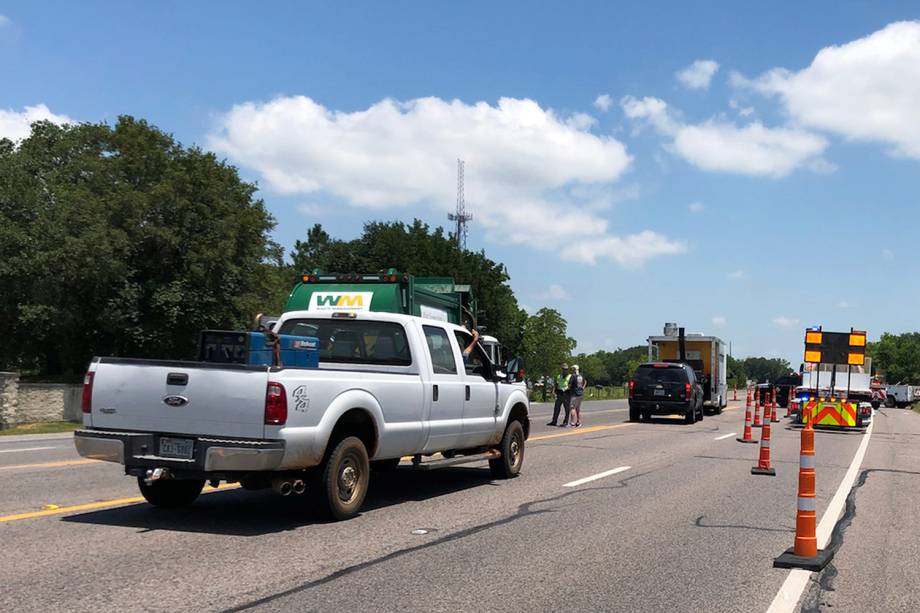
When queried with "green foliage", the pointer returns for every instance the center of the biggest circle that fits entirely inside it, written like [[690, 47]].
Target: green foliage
[[897, 356], [736, 374], [763, 370], [116, 240], [612, 367], [545, 344], [418, 250]]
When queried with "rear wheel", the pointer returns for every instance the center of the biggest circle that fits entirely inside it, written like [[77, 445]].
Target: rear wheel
[[171, 493], [633, 414], [512, 449], [690, 415], [702, 413], [890, 402], [343, 480]]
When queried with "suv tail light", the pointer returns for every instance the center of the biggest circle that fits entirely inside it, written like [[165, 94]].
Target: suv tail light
[[632, 387], [275, 404], [687, 390], [86, 401]]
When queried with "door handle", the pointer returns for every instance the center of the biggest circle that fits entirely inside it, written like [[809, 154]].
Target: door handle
[[434, 393], [467, 392]]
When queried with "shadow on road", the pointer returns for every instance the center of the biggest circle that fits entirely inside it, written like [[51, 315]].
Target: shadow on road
[[255, 513]]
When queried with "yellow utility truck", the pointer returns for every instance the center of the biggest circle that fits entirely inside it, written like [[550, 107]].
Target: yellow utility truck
[[705, 354]]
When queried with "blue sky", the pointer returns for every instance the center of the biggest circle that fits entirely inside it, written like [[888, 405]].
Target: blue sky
[[732, 176]]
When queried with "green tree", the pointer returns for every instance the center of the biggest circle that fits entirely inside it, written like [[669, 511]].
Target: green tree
[[763, 370], [117, 240], [418, 250], [736, 374], [545, 344], [897, 356]]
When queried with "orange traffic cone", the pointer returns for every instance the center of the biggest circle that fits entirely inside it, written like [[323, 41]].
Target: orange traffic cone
[[763, 464], [734, 392], [774, 406], [747, 438], [789, 399], [805, 553], [756, 423]]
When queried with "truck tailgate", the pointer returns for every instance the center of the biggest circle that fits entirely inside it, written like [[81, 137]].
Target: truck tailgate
[[177, 397]]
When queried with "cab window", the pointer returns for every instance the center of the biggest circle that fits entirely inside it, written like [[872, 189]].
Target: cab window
[[478, 362], [354, 341]]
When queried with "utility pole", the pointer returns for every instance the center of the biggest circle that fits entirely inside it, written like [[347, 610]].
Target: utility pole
[[460, 216]]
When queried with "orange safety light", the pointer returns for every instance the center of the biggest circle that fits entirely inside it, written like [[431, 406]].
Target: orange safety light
[[813, 338], [814, 357], [856, 359], [857, 339]]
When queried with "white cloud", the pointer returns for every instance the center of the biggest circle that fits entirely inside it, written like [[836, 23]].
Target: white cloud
[[721, 146], [554, 292], [718, 321], [867, 89], [629, 251], [887, 253], [843, 304], [4, 20], [785, 322], [16, 125], [743, 111], [699, 74], [603, 102], [532, 176], [737, 275], [696, 207]]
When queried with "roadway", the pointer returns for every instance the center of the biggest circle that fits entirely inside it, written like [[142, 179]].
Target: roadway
[[611, 516]]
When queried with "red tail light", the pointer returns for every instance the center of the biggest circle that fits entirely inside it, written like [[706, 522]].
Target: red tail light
[[86, 402], [275, 404], [632, 387], [687, 389]]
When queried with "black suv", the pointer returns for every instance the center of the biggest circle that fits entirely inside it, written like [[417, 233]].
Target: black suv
[[661, 388]]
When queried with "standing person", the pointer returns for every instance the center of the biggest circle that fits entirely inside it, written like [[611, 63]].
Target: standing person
[[562, 396], [577, 392]]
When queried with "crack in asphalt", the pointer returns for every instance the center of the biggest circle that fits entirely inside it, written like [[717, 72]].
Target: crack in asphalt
[[524, 510], [814, 599]]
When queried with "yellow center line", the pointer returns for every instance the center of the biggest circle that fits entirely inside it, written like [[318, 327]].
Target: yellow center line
[[576, 431], [102, 504], [57, 464]]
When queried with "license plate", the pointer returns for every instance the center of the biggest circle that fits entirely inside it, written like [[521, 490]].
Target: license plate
[[177, 448], [658, 392]]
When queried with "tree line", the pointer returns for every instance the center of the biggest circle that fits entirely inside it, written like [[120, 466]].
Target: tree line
[[118, 240]]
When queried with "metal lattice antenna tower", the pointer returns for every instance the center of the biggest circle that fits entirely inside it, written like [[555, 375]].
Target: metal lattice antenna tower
[[460, 216]]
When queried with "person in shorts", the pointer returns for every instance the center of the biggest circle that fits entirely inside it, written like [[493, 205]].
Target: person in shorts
[[577, 385]]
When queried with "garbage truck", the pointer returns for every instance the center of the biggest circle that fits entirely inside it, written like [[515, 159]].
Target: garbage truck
[[438, 298], [705, 354]]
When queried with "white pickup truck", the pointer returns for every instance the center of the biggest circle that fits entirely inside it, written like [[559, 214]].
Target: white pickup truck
[[387, 386]]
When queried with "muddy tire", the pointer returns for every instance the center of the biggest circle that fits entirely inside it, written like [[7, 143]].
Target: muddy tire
[[343, 480], [512, 448]]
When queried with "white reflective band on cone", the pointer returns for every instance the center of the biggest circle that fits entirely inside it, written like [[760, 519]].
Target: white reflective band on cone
[[806, 503], [806, 461], [764, 442]]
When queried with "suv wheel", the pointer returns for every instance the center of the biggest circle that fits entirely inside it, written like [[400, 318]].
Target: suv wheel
[[690, 416], [633, 414]]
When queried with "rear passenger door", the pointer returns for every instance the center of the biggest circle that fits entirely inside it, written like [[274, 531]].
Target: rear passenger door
[[445, 391]]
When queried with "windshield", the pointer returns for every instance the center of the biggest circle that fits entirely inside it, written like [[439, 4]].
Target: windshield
[[354, 342]]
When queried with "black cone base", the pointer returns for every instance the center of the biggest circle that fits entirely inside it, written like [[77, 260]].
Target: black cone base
[[763, 471], [789, 560], [741, 440]]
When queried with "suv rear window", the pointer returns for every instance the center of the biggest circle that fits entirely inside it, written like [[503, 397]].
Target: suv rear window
[[354, 341], [652, 374]]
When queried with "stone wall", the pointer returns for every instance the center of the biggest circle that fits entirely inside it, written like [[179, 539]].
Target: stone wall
[[22, 402]]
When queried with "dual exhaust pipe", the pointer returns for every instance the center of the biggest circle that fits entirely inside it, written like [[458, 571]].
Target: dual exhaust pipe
[[286, 487]]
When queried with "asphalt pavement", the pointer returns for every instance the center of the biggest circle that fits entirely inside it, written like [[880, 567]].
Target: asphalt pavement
[[612, 516]]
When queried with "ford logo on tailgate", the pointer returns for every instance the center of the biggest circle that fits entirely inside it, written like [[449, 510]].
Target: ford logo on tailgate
[[176, 401]]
